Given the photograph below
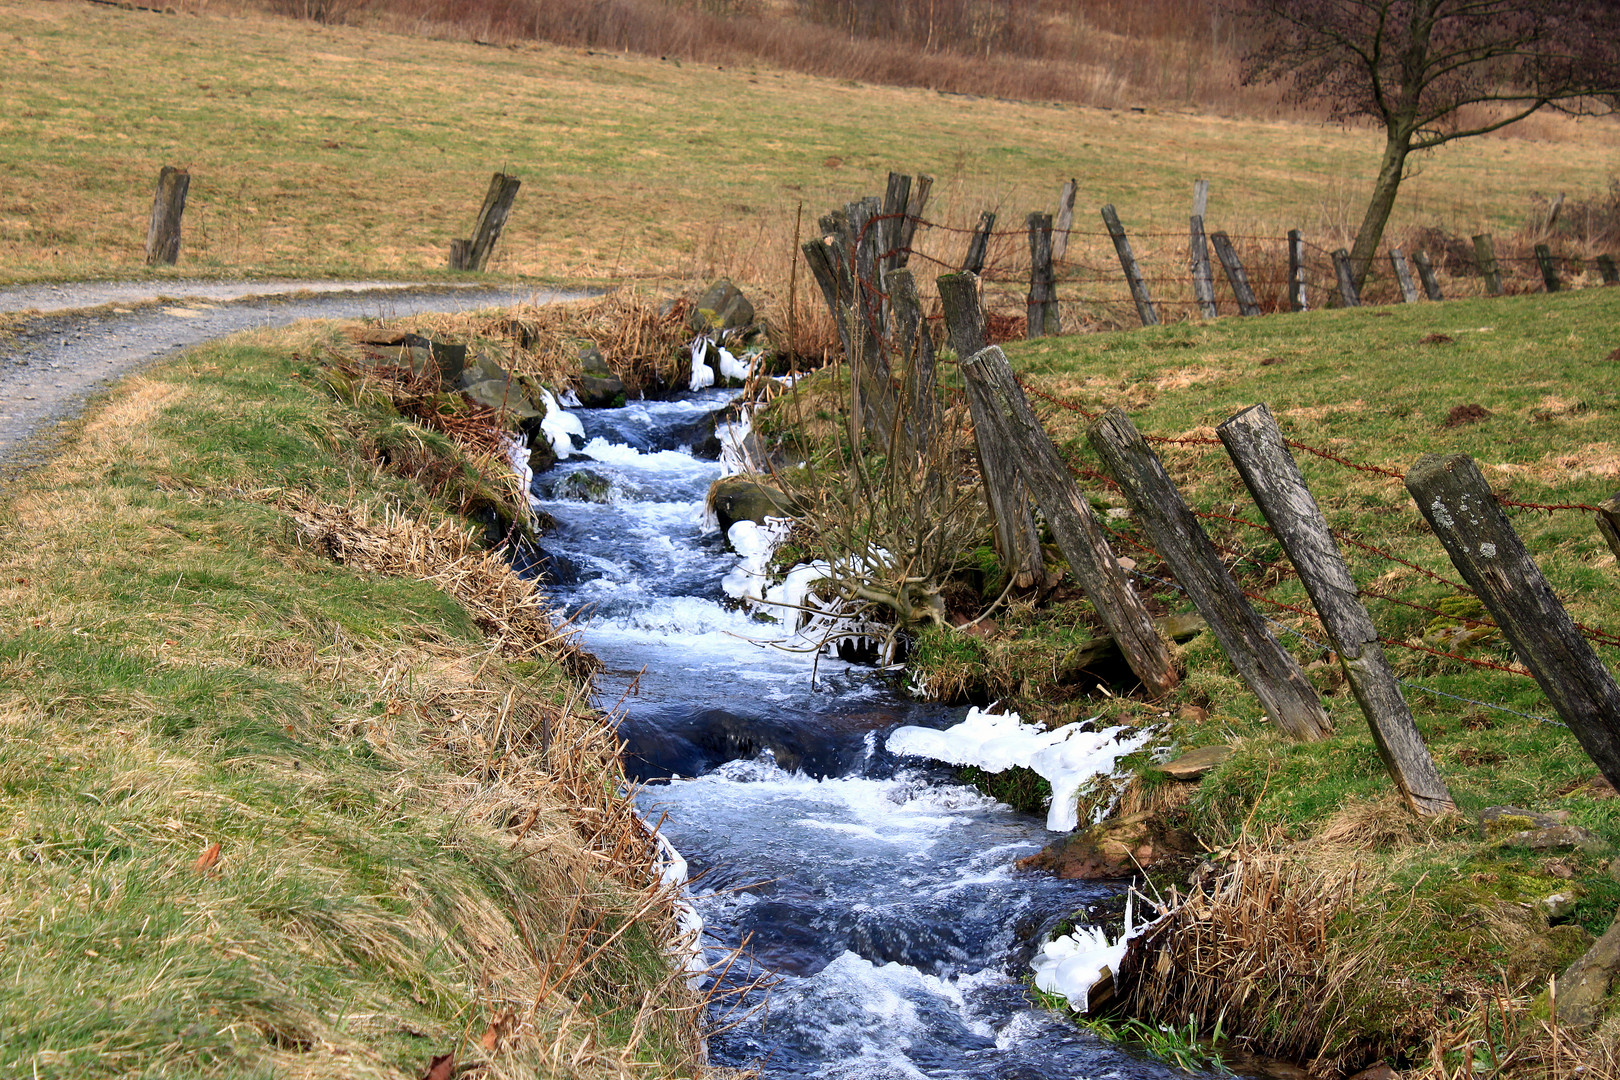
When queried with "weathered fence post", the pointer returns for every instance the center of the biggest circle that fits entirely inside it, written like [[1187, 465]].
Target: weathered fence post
[[1200, 207], [1349, 295], [1296, 270], [1127, 261], [1485, 256], [1064, 222], [979, 245], [1606, 269], [1454, 498], [473, 253], [868, 366], [1203, 280], [1018, 542], [1042, 309], [1608, 522], [915, 206], [1271, 672], [1256, 445], [168, 205], [1247, 304], [1431, 284], [1549, 269], [917, 349], [895, 201], [1073, 524], [1403, 276]]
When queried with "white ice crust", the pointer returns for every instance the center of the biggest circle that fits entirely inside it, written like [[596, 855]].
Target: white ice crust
[[1070, 965], [1066, 757], [560, 426]]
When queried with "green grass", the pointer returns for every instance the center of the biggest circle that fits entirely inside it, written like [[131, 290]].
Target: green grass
[[180, 668]]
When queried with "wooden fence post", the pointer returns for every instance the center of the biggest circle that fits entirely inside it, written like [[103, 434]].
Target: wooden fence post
[[1042, 309], [875, 386], [1271, 672], [1608, 522], [473, 253], [1073, 524], [1485, 256], [1256, 445], [1127, 261], [168, 205], [1200, 207], [1202, 279], [979, 245], [1018, 542], [1064, 222], [1403, 275], [920, 189], [1454, 498], [1349, 295], [1431, 284], [896, 199], [1549, 269], [1247, 305], [1606, 269], [917, 350], [1296, 270]]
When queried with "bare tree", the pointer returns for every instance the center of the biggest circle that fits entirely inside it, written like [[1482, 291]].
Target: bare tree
[[1432, 71]]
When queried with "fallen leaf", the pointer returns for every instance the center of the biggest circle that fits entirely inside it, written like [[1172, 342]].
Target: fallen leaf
[[207, 860], [440, 1068], [498, 1029]]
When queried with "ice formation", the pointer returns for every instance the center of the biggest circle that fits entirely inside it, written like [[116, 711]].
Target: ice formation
[[754, 545], [1066, 757], [702, 373], [1070, 965], [560, 426]]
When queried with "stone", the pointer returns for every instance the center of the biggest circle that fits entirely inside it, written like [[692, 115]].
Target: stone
[[1377, 1072], [1552, 838], [1115, 848], [737, 498], [698, 435], [1195, 763], [1496, 821], [583, 485], [441, 356], [598, 387], [542, 456], [1559, 904], [504, 396], [1585, 983], [721, 306], [478, 366], [377, 335]]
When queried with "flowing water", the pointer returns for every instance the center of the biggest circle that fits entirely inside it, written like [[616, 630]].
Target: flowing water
[[877, 895]]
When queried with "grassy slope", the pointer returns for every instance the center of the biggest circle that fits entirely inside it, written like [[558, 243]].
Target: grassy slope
[[1363, 384], [179, 668], [337, 151]]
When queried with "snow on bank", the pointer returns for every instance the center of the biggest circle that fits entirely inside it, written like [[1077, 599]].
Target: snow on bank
[[1066, 757], [1070, 965]]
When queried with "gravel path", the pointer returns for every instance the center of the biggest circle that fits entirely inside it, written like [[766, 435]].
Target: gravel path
[[75, 339]]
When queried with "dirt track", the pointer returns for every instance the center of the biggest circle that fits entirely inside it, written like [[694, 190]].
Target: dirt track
[[75, 339]]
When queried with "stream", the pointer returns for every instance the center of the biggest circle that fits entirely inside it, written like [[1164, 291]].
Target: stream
[[875, 895]]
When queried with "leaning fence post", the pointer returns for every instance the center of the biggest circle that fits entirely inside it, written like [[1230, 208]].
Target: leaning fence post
[[1296, 270], [1608, 522], [1549, 269], [1256, 445], [473, 253], [1403, 275], [1074, 526], [895, 200], [1127, 261], [1485, 255], [915, 205], [1198, 255], [1018, 542], [1455, 499], [1247, 305], [1606, 269], [1349, 295], [973, 262], [1271, 672], [1431, 284], [917, 351], [168, 205], [1043, 309], [1064, 222]]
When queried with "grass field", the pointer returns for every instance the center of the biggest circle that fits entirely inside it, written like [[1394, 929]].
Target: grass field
[[332, 151], [295, 784]]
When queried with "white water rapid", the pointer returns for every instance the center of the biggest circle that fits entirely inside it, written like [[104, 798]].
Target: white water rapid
[[879, 895]]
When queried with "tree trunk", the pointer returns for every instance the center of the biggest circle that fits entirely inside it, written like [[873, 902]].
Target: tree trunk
[[1371, 233]]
